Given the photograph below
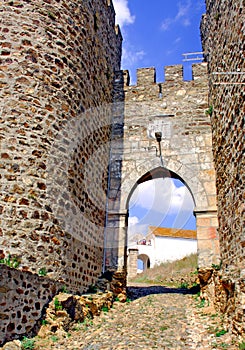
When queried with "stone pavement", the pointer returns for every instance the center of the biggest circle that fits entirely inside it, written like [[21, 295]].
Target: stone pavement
[[156, 318]]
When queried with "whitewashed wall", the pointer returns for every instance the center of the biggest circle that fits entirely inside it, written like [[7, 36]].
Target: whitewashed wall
[[168, 249]]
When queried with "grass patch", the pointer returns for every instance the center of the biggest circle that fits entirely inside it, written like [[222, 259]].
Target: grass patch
[[201, 304], [242, 346], [27, 344], [220, 333], [57, 304], [42, 271], [54, 338], [10, 261], [172, 274], [105, 308]]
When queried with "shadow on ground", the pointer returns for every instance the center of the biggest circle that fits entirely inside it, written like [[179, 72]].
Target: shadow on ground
[[135, 292]]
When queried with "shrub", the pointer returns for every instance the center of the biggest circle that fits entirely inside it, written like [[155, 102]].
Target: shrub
[[27, 344]]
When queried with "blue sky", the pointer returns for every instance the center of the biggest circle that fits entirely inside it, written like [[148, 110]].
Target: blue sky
[[162, 203], [156, 34]]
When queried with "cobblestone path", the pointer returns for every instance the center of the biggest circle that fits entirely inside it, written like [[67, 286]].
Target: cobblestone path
[[156, 318]]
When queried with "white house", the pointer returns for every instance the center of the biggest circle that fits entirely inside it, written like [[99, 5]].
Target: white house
[[163, 244], [171, 244]]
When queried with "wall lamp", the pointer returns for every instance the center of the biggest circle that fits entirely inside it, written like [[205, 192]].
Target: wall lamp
[[158, 136]]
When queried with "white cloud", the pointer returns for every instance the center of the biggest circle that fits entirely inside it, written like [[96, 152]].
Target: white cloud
[[159, 202], [123, 15], [177, 40], [183, 16], [130, 57], [162, 195], [133, 220], [136, 228], [183, 10], [166, 23]]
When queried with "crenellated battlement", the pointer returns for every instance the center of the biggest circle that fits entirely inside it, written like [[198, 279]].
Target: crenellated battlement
[[172, 74]]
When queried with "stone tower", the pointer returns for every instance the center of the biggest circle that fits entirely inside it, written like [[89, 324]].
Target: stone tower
[[57, 66]]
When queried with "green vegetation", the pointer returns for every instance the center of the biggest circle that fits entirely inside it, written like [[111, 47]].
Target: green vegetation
[[220, 333], [184, 285], [201, 303], [85, 324], [64, 289], [11, 262], [57, 304], [92, 288], [209, 111], [42, 271], [217, 267], [54, 338], [242, 346], [27, 344], [105, 308]]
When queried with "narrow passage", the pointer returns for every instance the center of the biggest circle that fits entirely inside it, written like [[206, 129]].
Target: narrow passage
[[156, 318]]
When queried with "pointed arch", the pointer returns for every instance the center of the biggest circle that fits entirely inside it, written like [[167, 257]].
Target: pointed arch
[[156, 173]]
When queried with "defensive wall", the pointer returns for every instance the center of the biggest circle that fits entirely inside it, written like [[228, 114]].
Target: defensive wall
[[177, 108], [223, 36], [57, 66]]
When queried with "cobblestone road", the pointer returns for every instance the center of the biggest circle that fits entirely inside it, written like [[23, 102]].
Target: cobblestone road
[[156, 318]]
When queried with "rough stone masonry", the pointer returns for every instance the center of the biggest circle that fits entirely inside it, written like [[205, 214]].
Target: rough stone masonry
[[223, 37], [57, 64], [177, 109]]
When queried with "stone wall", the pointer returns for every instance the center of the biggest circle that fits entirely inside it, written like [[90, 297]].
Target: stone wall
[[223, 43], [57, 64], [132, 262], [23, 296], [177, 109]]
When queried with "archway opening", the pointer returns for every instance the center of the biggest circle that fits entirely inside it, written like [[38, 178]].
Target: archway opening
[[160, 208], [143, 263]]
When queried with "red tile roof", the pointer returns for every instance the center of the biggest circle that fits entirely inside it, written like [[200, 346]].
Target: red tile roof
[[172, 232]]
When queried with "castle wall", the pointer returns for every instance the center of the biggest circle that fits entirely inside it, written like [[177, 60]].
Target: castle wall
[[57, 64], [223, 42], [23, 297], [177, 109]]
